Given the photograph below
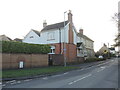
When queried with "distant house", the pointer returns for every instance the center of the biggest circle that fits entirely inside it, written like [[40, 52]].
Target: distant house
[[88, 44], [5, 38], [32, 37], [104, 49], [62, 40], [17, 40]]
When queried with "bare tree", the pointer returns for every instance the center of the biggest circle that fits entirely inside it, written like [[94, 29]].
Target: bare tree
[[116, 18]]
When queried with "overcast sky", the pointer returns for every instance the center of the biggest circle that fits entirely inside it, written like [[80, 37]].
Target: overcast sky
[[17, 17]]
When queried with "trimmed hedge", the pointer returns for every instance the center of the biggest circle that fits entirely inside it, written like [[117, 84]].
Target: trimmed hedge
[[94, 59], [19, 47]]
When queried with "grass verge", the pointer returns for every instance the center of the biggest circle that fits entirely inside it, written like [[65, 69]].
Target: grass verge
[[34, 71]]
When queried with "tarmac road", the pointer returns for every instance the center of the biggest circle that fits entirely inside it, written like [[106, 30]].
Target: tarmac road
[[104, 75]]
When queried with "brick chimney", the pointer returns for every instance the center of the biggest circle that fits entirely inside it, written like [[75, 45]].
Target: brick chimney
[[70, 16], [81, 31], [44, 23], [71, 37]]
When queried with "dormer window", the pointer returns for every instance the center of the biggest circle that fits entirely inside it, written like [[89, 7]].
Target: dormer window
[[31, 37]]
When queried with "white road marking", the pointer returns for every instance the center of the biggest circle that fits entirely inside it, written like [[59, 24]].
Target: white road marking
[[88, 67], [66, 73], [58, 75], [79, 79], [8, 82], [0, 83], [45, 78], [27, 80], [103, 63], [100, 70], [103, 67]]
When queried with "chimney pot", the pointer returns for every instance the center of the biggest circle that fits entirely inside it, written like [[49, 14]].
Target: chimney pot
[[44, 23], [81, 31], [70, 16]]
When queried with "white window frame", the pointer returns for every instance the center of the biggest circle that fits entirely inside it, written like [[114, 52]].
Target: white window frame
[[50, 36]]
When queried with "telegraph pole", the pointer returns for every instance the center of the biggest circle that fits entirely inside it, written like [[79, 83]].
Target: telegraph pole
[[64, 42]]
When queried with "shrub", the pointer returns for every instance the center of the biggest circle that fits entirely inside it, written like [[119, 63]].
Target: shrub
[[19, 47], [93, 59]]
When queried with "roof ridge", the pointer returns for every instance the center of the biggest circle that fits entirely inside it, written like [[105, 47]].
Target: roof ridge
[[55, 25], [37, 32], [85, 36], [58, 23]]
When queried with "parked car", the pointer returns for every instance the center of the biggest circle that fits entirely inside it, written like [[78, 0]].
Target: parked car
[[118, 56], [100, 57]]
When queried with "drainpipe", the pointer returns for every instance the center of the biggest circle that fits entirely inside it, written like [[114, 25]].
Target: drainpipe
[[60, 39]]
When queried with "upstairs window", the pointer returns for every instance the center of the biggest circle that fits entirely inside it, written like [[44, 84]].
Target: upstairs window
[[31, 37], [51, 36]]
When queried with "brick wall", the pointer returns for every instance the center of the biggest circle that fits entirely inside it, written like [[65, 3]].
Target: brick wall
[[71, 52], [11, 61], [57, 59]]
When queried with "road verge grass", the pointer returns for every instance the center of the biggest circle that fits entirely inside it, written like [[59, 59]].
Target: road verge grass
[[35, 71]]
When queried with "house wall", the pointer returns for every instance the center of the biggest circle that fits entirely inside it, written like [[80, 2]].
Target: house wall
[[57, 34], [44, 36], [34, 40], [74, 37], [89, 46], [101, 51], [11, 61]]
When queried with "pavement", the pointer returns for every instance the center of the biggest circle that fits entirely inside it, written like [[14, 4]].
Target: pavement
[[102, 74]]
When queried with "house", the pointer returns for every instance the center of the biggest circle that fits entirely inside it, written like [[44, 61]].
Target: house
[[112, 50], [63, 39], [17, 40], [5, 38], [104, 49], [87, 48]]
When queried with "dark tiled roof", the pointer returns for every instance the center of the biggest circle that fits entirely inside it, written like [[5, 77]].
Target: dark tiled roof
[[9, 38], [6, 37], [54, 26], [84, 36], [37, 32], [17, 39]]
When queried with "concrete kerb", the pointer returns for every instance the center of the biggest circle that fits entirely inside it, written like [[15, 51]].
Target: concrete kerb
[[38, 76]]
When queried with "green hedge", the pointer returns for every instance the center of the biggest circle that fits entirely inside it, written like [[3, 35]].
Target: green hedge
[[94, 59], [19, 47]]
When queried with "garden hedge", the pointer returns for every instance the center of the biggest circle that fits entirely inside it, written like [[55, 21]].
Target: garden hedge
[[94, 59], [19, 47]]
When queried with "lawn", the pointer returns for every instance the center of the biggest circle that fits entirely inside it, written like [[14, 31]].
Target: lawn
[[34, 71]]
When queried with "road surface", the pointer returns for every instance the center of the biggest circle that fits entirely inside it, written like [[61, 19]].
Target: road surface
[[103, 75]]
